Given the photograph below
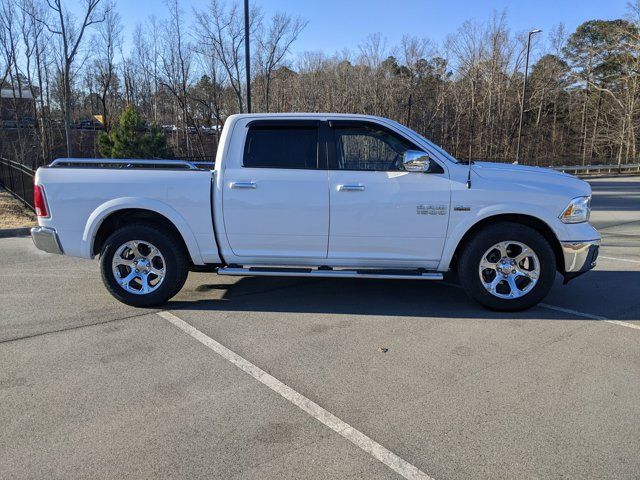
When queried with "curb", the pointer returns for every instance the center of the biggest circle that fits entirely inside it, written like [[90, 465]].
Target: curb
[[15, 232]]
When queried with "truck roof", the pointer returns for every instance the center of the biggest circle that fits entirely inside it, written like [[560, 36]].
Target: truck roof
[[306, 115]]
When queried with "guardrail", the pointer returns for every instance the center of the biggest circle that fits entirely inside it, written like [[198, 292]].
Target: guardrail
[[591, 169], [17, 179]]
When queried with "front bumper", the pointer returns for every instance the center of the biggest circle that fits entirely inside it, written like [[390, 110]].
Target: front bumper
[[46, 239], [579, 257]]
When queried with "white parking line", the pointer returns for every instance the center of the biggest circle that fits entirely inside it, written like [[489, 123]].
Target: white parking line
[[572, 312], [356, 437], [620, 259], [589, 315], [624, 324]]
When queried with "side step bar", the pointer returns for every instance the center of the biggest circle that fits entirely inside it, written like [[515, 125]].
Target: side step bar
[[310, 272]]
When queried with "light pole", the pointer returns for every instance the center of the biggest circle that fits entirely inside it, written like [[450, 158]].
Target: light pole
[[524, 91], [247, 57]]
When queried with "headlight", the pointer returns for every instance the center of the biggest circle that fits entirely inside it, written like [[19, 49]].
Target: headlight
[[577, 211]]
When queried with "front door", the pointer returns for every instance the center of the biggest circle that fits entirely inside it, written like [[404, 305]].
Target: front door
[[275, 201], [381, 214]]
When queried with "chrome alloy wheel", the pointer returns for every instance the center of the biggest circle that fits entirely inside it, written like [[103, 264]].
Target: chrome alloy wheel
[[138, 267], [509, 269]]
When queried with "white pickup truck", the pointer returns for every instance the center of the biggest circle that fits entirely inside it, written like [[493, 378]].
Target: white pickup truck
[[319, 195]]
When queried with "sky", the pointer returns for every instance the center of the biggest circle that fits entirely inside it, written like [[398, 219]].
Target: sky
[[338, 24]]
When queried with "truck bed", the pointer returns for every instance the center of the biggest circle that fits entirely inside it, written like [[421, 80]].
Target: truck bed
[[82, 193]]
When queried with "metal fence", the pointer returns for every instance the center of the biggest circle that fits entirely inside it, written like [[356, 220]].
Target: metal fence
[[17, 179]]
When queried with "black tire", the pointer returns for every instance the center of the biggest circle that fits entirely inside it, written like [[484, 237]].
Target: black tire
[[473, 251], [175, 264]]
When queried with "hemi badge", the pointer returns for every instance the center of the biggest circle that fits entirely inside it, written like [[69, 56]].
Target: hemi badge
[[462, 208], [431, 209]]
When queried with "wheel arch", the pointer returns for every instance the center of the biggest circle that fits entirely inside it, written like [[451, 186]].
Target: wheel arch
[[106, 219], [528, 220]]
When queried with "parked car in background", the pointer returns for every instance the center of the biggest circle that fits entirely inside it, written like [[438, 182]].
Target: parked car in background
[[27, 122], [169, 128], [209, 130], [9, 124], [319, 195], [23, 122], [89, 124]]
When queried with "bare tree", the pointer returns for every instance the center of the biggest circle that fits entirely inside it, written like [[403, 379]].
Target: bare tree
[[176, 70], [274, 44], [465, 94], [208, 93], [107, 42], [142, 69], [35, 40], [222, 29], [372, 55], [70, 32], [414, 53], [10, 46]]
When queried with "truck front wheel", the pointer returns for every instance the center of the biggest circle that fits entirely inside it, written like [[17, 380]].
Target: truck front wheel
[[142, 265], [507, 266]]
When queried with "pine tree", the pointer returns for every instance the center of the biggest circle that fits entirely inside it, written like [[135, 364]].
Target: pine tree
[[129, 139]]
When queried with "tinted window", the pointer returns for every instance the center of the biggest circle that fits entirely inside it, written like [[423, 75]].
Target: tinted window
[[281, 147], [369, 148]]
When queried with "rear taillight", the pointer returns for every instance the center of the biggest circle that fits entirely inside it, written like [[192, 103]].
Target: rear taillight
[[39, 201]]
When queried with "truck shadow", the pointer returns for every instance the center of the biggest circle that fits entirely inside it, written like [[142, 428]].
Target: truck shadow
[[611, 294]]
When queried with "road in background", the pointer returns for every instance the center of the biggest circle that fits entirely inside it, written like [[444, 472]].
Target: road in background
[[93, 388]]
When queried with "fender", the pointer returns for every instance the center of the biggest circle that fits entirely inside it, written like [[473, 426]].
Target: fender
[[104, 210], [459, 229]]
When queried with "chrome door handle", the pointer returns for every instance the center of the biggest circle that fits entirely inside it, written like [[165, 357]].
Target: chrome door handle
[[243, 185], [350, 188]]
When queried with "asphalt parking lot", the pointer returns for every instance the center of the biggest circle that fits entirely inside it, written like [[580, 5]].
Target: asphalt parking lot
[[262, 378]]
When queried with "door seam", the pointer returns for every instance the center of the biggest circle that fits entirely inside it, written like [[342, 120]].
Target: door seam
[[329, 215]]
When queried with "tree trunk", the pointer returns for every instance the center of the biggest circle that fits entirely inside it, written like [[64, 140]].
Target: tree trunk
[[409, 105], [267, 91], [103, 101], [595, 125], [67, 111]]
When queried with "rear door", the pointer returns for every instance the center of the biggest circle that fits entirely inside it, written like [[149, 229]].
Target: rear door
[[276, 199], [380, 213]]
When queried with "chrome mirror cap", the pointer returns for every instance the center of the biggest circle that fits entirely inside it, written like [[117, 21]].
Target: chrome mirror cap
[[416, 161]]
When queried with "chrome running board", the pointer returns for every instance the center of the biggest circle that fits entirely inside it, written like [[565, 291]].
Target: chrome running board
[[329, 273]]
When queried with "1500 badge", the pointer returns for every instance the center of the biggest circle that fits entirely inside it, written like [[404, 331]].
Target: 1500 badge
[[431, 209]]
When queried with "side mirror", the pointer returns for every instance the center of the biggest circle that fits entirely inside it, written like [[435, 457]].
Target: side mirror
[[416, 161]]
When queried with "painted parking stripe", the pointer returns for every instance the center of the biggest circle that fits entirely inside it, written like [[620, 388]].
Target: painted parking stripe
[[590, 316], [619, 259], [573, 312], [359, 439], [624, 324]]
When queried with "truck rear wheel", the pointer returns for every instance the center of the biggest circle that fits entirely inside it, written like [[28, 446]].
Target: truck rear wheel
[[143, 266], [507, 267]]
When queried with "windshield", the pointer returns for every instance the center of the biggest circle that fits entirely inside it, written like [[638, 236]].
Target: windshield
[[440, 150]]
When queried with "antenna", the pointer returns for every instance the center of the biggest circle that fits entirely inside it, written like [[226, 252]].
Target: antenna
[[469, 175]]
